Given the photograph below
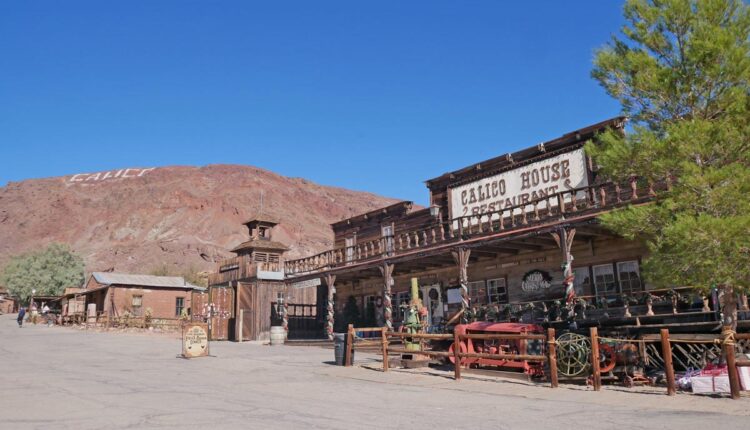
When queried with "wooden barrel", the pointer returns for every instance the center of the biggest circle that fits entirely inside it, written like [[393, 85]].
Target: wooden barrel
[[278, 334]]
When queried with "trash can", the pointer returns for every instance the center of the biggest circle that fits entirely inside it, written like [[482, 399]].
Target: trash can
[[339, 348]]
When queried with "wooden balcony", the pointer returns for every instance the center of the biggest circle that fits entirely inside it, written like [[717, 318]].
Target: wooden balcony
[[580, 202], [242, 268]]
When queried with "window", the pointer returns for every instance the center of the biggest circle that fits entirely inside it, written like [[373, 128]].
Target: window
[[477, 293], [179, 306], [604, 280], [498, 291], [582, 281], [137, 302], [629, 277], [400, 303]]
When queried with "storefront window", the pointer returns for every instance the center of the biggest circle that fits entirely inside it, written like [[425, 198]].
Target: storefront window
[[604, 280], [498, 291], [477, 293], [582, 281], [629, 276]]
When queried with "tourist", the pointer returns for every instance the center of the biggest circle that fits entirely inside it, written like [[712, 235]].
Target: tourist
[[21, 314]]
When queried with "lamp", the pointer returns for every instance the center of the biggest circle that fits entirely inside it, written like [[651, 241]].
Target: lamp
[[435, 211]]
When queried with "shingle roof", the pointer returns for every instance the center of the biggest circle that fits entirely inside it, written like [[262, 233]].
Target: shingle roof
[[108, 278], [261, 244]]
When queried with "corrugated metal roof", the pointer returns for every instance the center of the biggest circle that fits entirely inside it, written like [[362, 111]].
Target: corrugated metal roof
[[108, 278]]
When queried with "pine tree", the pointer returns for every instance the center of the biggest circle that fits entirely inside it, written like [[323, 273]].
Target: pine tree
[[681, 71]]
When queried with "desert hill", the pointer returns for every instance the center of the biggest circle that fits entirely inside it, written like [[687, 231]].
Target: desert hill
[[134, 220]]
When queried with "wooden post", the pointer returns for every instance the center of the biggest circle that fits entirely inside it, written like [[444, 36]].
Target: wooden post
[[728, 346], [456, 357], [387, 271], [384, 339], [348, 350], [666, 351], [552, 357], [239, 333], [331, 289], [461, 256], [595, 359]]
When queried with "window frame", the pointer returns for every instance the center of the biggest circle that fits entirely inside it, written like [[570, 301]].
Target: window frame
[[630, 291], [615, 284], [502, 298], [474, 284], [580, 289], [179, 306]]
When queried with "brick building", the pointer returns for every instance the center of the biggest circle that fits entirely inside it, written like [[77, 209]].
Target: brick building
[[115, 294]]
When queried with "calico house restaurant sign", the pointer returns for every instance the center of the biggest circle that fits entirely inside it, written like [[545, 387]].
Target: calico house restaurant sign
[[514, 188], [195, 340], [535, 280]]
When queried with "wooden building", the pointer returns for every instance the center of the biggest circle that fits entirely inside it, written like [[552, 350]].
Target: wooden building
[[8, 304], [516, 237], [116, 294], [248, 294], [512, 238]]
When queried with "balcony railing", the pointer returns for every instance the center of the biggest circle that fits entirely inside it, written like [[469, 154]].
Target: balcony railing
[[238, 268], [579, 201]]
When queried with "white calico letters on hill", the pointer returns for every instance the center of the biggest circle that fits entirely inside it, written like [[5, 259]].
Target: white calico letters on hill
[[114, 174]]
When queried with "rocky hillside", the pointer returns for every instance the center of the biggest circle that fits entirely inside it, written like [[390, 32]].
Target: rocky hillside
[[134, 220]]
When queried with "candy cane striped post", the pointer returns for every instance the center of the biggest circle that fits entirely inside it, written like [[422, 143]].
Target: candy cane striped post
[[461, 256], [387, 271], [330, 283]]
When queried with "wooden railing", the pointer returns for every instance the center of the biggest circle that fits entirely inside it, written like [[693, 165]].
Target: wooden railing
[[383, 341], [233, 269], [578, 201]]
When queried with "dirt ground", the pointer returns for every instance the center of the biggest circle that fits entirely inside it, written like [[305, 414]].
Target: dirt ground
[[63, 378]]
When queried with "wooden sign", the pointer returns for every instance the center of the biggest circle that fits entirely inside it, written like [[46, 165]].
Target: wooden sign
[[194, 340], [314, 282], [518, 186]]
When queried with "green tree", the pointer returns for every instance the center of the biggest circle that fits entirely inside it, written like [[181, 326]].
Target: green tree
[[681, 71], [48, 271]]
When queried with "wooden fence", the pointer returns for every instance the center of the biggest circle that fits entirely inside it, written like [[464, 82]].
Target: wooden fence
[[384, 343], [726, 339]]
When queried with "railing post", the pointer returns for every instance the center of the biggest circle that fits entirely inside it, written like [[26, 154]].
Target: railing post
[[456, 356], [666, 351], [597, 375], [349, 341], [552, 357], [728, 346], [384, 339]]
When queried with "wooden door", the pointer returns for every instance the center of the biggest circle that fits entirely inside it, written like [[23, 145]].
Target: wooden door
[[222, 299]]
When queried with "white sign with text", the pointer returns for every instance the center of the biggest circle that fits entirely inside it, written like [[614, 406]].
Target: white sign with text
[[522, 185]]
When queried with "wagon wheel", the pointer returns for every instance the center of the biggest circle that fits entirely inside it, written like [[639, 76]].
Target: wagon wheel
[[607, 359], [573, 352]]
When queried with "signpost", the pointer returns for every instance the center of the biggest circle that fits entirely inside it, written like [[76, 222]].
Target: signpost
[[194, 340]]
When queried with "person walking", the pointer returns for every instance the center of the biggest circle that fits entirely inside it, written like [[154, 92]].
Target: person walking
[[21, 314]]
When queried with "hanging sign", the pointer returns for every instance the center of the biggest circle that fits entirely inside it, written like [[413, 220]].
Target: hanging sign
[[536, 280], [195, 340], [516, 187], [314, 282]]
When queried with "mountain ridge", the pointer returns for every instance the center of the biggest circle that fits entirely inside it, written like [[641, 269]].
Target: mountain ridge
[[137, 219]]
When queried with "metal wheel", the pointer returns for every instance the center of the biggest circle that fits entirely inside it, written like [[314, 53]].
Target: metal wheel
[[573, 352]]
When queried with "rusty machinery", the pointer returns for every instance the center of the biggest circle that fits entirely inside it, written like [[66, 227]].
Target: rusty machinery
[[619, 359], [501, 346]]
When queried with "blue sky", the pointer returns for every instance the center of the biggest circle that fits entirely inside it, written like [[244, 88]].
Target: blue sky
[[375, 96]]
